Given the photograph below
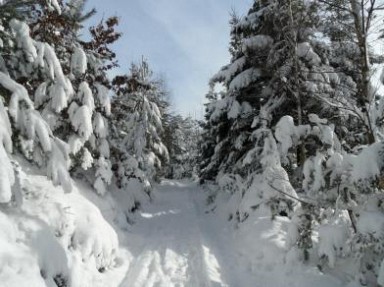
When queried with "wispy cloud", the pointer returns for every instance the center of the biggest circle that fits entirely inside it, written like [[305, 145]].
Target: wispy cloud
[[185, 40]]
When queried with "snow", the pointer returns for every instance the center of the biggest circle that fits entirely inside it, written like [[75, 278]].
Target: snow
[[255, 254], [332, 239], [284, 130], [313, 118], [54, 5], [218, 108], [244, 79], [38, 130], [257, 42], [85, 95], [82, 122], [172, 244], [59, 231], [368, 163], [86, 241], [5, 129], [58, 165], [31, 123], [313, 173], [371, 222], [7, 176], [78, 61], [99, 126], [103, 175], [104, 148], [101, 251], [87, 159], [103, 98], [177, 242], [335, 163], [40, 94], [235, 110], [75, 143], [24, 41], [55, 236], [19, 267], [250, 19], [305, 51], [151, 159], [59, 98], [262, 245], [229, 71], [48, 59], [73, 107], [19, 93]]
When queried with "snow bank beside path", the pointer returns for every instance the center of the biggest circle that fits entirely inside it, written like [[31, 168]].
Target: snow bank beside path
[[258, 250], [57, 239], [180, 242], [261, 245]]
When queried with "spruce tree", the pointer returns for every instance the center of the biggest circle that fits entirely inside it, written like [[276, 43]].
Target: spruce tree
[[23, 126], [138, 150], [184, 138], [82, 121]]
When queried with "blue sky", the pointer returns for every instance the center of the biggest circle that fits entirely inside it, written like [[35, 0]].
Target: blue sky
[[185, 40]]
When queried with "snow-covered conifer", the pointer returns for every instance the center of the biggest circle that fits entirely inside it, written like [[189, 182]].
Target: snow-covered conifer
[[137, 125]]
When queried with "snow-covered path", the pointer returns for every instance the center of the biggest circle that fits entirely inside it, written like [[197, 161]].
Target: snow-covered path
[[175, 244]]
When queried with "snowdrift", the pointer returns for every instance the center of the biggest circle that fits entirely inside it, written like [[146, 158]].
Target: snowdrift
[[51, 238]]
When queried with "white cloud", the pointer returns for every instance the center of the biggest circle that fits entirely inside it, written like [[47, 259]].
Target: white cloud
[[186, 40]]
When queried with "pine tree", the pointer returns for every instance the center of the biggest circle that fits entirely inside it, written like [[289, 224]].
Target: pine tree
[[350, 26], [183, 140], [259, 84], [101, 60], [82, 121], [297, 105], [138, 150], [214, 129], [23, 126]]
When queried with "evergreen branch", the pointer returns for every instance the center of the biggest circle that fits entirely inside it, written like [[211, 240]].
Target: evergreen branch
[[353, 111], [291, 196], [334, 5]]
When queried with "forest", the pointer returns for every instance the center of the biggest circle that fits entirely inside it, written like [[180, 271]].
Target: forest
[[103, 183]]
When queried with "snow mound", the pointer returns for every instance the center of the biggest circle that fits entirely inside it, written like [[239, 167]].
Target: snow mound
[[262, 245], [257, 42], [56, 239], [332, 239], [94, 238], [244, 79], [19, 266], [368, 164], [371, 222], [79, 61]]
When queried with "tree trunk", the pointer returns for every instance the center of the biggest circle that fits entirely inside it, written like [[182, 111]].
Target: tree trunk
[[361, 30]]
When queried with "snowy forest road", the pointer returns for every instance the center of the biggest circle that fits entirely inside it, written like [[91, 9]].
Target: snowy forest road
[[177, 244]]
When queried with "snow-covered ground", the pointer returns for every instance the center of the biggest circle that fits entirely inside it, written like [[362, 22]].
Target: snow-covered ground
[[177, 242], [174, 243], [50, 238], [79, 239]]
